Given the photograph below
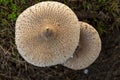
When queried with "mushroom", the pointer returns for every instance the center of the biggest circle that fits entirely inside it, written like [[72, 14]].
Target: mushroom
[[88, 49], [47, 33]]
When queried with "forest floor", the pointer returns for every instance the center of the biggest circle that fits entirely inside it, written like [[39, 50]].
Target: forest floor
[[104, 15]]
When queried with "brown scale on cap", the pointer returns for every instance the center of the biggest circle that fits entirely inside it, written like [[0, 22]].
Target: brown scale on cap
[[47, 33]]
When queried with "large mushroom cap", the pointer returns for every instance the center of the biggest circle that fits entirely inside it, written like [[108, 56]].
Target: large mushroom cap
[[47, 33], [88, 49]]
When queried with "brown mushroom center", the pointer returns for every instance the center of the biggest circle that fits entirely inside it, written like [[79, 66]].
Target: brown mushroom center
[[48, 33]]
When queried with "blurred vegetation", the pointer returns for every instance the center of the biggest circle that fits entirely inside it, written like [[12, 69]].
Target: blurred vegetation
[[9, 11], [104, 15]]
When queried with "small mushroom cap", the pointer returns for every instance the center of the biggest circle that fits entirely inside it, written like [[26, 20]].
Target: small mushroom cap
[[88, 49], [47, 33]]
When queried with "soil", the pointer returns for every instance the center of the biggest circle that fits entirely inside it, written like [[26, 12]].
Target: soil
[[106, 67]]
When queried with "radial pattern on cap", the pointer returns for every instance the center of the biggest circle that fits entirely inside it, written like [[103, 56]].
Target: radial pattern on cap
[[47, 33]]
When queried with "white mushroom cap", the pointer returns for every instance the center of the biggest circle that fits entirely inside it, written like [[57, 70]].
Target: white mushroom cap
[[88, 49], [47, 33]]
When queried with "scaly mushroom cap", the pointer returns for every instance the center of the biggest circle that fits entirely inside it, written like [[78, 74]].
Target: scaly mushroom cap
[[88, 49], [47, 33]]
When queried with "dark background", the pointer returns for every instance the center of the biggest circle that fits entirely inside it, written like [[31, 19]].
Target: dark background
[[104, 15]]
